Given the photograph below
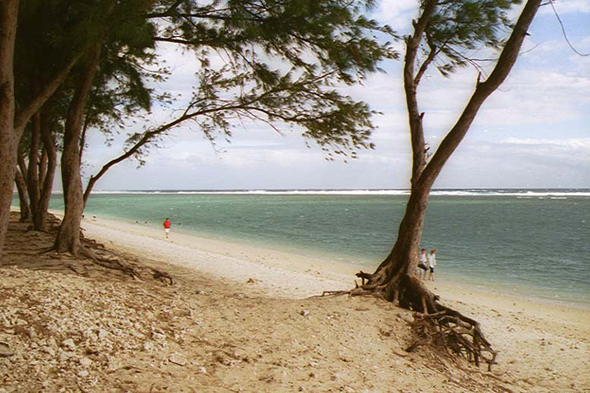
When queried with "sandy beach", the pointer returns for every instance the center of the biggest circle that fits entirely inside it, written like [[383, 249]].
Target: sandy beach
[[240, 318]]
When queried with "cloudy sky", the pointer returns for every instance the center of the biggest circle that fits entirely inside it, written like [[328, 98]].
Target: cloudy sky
[[534, 132]]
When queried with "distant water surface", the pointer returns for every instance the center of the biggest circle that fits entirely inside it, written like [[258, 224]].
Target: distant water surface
[[532, 243]]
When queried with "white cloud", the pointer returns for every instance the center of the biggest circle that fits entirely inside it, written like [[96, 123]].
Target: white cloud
[[573, 145], [533, 132], [566, 6], [398, 14]]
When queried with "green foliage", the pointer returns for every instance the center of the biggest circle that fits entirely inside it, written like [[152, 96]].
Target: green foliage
[[460, 27], [128, 64], [279, 62], [276, 61], [50, 31]]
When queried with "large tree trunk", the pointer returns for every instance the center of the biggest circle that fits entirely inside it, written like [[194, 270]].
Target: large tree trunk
[[68, 238], [8, 139], [402, 260]]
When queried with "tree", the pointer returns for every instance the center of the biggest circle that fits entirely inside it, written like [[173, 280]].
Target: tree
[[40, 45], [445, 30], [68, 237], [123, 38], [279, 64], [14, 118]]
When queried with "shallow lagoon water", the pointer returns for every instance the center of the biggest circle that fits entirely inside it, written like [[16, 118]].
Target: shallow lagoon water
[[532, 243]]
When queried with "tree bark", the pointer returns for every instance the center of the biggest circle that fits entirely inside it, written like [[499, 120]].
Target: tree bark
[[21, 185], [48, 174], [33, 166], [8, 138], [68, 238]]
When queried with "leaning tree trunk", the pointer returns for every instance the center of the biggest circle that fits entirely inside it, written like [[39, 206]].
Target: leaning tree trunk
[[68, 237], [47, 177], [21, 186], [33, 166], [402, 260]]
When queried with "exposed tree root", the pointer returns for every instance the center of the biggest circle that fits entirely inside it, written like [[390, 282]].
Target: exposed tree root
[[433, 322], [162, 276], [456, 333], [105, 260]]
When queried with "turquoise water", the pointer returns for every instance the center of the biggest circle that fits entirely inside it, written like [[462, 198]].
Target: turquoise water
[[527, 243]]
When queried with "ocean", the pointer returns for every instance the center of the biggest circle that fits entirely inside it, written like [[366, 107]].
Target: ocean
[[527, 243]]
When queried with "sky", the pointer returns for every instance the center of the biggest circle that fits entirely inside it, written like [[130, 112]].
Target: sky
[[533, 132]]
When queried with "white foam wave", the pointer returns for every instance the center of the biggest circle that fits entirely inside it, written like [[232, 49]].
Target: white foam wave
[[552, 194]]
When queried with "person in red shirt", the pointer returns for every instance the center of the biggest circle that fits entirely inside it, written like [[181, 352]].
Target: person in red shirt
[[167, 224]]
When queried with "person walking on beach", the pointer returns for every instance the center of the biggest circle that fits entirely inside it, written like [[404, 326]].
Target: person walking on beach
[[167, 224], [431, 263], [422, 265]]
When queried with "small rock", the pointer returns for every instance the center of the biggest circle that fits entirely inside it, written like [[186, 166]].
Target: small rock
[[304, 312], [5, 350], [69, 343], [48, 350], [102, 334], [177, 359], [203, 370], [85, 362], [83, 373], [64, 356]]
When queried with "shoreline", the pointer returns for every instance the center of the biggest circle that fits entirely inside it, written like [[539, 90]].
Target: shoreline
[[247, 318], [308, 275], [485, 258]]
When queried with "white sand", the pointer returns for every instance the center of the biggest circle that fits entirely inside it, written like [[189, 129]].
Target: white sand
[[275, 272], [542, 347], [540, 344], [286, 274]]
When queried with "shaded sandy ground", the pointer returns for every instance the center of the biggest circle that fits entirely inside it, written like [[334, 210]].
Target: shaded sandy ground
[[68, 325]]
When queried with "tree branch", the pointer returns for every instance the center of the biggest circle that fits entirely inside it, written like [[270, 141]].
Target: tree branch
[[25, 114], [171, 11], [482, 91], [410, 87]]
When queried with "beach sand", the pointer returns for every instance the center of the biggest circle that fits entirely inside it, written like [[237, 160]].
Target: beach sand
[[240, 318]]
